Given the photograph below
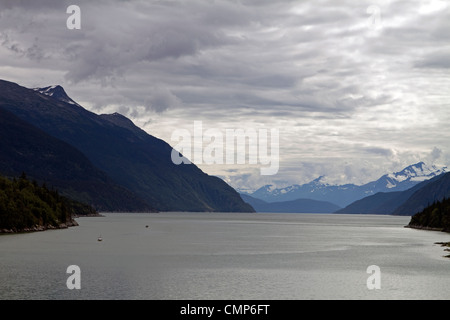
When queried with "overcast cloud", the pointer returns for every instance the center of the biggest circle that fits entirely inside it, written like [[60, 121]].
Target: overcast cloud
[[356, 88]]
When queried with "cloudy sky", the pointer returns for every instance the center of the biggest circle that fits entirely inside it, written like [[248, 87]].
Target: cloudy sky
[[356, 88]]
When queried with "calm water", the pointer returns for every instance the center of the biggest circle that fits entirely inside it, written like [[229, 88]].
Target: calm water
[[227, 256]]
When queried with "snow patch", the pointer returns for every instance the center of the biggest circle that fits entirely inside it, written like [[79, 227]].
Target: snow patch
[[390, 185]]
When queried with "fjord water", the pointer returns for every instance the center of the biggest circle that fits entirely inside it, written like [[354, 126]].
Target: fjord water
[[227, 256]]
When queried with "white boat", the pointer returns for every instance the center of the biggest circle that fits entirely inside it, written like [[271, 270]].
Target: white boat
[[99, 238]]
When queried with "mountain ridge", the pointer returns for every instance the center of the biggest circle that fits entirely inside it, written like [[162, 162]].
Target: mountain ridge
[[132, 158], [46, 159], [293, 206], [57, 92], [343, 195], [407, 202], [435, 190]]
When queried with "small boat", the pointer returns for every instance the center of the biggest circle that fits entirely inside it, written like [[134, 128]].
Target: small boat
[[99, 238]]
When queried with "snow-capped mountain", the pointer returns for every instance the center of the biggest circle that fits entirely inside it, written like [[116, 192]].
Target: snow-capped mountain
[[416, 172], [57, 92], [342, 195], [405, 179], [270, 191]]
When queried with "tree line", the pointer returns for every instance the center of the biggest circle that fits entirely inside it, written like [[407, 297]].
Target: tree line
[[25, 204], [436, 216]]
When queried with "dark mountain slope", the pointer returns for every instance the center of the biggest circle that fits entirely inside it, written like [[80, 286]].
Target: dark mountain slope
[[375, 204], [405, 202], [436, 190], [127, 154], [25, 148], [293, 206]]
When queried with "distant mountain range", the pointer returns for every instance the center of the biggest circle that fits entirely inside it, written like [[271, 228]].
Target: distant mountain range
[[292, 206], [343, 195], [104, 160], [408, 202], [108, 162]]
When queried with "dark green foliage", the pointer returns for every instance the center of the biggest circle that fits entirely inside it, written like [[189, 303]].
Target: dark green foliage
[[25, 205], [435, 216]]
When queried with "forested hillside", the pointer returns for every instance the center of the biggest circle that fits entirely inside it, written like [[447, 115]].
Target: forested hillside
[[435, 216], [27, 206]]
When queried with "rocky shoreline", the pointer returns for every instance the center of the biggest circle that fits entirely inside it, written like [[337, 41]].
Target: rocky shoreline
[[37, 228], [447, 247], [426, 228], [88, 215], [442, 244]]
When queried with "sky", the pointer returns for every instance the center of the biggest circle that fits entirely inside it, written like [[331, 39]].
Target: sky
[[355, 89]]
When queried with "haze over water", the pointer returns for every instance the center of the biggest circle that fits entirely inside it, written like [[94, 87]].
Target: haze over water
[[227, 256]]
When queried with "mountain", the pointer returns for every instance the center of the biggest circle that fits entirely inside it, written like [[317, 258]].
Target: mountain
[[25, 148], [374, 204], [293, 206], [406, 202], [315, 190], [436, 190], [128, 155], [407, 178], [343, 195], [56, 92]]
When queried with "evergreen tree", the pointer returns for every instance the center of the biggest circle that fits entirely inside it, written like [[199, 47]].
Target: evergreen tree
[[435, 216]]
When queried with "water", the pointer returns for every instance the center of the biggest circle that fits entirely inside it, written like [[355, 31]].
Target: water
[[227, 256]]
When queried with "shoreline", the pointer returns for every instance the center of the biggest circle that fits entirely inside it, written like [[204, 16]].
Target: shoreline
[[418, 227], [442, 244], [446, 245], [87, 215], [38, 228]]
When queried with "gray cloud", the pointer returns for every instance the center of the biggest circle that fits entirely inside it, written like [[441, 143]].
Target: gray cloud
[[380, 151], [435, 60], [435, 155], [340, 90]]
